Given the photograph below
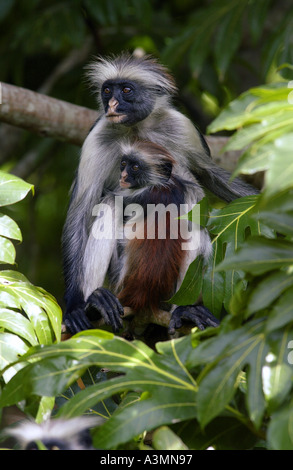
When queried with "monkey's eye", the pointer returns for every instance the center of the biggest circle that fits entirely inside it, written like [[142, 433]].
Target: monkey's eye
[[107, 91], [123, 164], [126, 90], [135, 167]]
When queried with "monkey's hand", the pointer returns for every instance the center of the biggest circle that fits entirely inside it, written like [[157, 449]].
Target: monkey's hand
[[197, 314], [76, 320], [103, 303]]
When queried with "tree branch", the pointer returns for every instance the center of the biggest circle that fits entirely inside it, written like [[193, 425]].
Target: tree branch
[[46, 116], [136, 323]]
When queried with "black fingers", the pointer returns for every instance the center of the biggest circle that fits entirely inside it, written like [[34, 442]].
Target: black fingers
[[199, 315], [76, 321], [103, 303]]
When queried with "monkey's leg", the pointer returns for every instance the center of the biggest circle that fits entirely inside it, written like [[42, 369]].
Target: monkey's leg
[[103, 303], [197, 314]]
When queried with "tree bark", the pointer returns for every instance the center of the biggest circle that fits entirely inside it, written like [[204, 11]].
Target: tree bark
[[46, 116]]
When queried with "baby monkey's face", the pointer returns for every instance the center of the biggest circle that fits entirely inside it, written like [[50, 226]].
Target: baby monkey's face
[[133, 173]]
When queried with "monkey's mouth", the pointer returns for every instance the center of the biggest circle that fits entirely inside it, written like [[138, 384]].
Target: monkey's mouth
[[124, 184], [116, 117]]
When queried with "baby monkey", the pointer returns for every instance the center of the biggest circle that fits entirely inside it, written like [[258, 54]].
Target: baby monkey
[[152, 268]]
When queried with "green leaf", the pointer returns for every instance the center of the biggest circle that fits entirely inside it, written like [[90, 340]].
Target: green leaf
[[16, 323], [281, 313], [12, 189], [268, 289], [88, 398], [257, 105], [253, 160], [179, 45], [277, 374], [233, 116], [145, 415], [257, 13], [229, 226], [46, 406], [214, 282], [281, 222], [226, 356], [263, 117], [165, 439], [41, 308], [9, 229], [266, 125], [54, 368], [199, 49], [229, 35], [260, 255], [280, 429], [7, 251], [280, 172], [190, 288], [11, 347]]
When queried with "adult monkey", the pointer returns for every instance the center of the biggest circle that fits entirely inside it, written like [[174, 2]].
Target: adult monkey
[[135, 96]]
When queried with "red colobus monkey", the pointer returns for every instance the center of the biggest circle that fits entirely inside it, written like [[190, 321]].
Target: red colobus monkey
[[135, 98]]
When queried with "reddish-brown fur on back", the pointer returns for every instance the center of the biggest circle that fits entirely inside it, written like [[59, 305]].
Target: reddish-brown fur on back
[[153, 266]]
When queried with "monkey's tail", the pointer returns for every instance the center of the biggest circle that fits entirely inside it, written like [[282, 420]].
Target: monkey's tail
[[219, 182]]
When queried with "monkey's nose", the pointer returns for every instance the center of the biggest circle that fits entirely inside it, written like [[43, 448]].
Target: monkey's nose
[[113, 103]]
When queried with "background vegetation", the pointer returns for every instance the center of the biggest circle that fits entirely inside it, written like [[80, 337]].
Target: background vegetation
[[232, 63]]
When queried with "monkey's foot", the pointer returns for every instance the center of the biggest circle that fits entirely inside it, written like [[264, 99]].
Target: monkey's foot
[[76, 321], [103, 303], [197, 314]]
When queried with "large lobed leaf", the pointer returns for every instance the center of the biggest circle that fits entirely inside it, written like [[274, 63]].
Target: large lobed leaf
[[250, 348], [171, 390], [29, 316], [263, 120], [230, 227]]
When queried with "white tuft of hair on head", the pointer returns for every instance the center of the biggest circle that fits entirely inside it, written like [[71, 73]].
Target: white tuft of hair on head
[[66, 430], [146, 70]]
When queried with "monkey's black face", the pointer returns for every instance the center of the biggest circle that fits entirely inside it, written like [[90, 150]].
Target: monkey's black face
[[126, 102], [133, 173]]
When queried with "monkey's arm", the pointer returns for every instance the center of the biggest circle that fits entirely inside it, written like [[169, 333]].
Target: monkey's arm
[[86, 261], [73, 245]]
